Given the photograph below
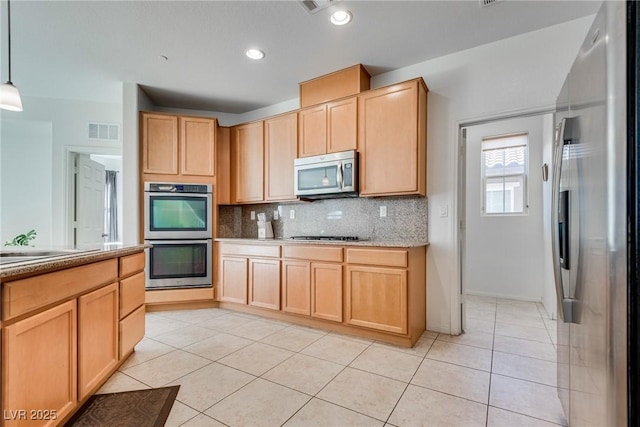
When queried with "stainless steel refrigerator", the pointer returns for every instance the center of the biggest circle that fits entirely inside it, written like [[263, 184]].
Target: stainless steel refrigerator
[[595, 232]]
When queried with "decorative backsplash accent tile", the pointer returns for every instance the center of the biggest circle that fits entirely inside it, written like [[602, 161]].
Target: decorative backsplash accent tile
[[406, 219]]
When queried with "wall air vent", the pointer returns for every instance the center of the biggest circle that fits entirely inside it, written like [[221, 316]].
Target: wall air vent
[[104, 131], [314, 6], [485, 3]]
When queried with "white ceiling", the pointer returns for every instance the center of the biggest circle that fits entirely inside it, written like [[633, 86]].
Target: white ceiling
[[85, 49]]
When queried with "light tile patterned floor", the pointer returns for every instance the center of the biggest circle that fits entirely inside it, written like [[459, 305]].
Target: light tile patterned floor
[[237, 369]]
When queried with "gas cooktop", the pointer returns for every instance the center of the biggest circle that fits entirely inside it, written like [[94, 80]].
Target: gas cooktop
[[342, 238]]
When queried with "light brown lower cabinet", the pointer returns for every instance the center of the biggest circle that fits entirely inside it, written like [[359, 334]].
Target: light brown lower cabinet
[[233, 279], [296, 287], [377, 298], [98, 323], [326, 291], [377, 292], [39, 367], [264, 283]]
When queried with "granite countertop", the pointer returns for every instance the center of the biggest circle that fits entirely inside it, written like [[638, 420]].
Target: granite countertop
[[370, 243], [63, 258]]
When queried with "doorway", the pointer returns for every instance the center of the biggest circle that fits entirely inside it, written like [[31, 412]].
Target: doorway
[[93, 196], [504, 211]]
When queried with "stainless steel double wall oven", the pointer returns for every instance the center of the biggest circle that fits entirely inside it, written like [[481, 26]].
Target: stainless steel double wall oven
[[178, 222]]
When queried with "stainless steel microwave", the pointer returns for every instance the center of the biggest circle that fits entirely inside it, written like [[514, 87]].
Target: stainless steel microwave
[[327, 176]]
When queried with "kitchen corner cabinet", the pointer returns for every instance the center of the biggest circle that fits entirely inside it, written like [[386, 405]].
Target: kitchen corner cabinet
[[247, 162], [177, 145], [250, 274], [280, 150], [328, 128], [392, 139]]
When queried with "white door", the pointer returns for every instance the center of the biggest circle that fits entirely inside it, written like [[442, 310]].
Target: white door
[[90, 185]]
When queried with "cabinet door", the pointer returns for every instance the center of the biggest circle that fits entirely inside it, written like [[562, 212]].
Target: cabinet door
[[264, 283], [326, 291], [342, 133], [197, 146], [296, 287], [98, 324], [233, 279], [131, 331], [281, 149], [159, 144], [248, 167], [377, 298], [312, 131], [391, 155], [39, 364]]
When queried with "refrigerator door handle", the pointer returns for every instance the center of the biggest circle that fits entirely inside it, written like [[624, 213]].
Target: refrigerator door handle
[[560, 225]]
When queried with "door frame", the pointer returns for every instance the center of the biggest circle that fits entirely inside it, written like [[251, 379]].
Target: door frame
[[459, 202], [69, 184]]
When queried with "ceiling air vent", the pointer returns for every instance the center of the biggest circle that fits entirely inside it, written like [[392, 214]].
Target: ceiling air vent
[[104, 132], [485, 3], [313, 6]]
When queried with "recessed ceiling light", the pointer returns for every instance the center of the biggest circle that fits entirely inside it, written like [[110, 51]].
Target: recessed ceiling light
[[254, 53], [341, 17]]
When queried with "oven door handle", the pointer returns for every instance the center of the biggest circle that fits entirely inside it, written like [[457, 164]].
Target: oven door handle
[[339, 176]]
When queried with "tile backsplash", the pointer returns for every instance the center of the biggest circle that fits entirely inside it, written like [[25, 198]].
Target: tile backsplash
[[406, 219]]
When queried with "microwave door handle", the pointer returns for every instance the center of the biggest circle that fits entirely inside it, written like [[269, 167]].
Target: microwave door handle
[[339, 178]]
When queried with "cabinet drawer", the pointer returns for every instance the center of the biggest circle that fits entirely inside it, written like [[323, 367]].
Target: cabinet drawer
[[382, 257], [21, 296], [313, 253], [131, 264], [131, 331], [250, 250], [131, 294]]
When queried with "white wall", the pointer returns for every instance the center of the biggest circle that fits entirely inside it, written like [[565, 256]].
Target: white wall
[[549, 300], [133, 101], [25, 180], [69, 128], [504, 253]]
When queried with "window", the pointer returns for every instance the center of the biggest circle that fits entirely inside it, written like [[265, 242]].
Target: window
[[504, 174]]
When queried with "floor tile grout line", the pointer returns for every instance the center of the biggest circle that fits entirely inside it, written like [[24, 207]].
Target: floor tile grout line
[[526, 415], [486, 420], [523, 379], [407, 386]]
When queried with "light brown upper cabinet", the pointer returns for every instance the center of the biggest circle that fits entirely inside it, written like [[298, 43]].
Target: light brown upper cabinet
[[281, 148], [159, 144], [178, 145], [247, 156], [392, 139], [197, 146], [328, 128]]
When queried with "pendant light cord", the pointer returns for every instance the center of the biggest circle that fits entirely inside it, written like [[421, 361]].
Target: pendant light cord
[[9, 28]]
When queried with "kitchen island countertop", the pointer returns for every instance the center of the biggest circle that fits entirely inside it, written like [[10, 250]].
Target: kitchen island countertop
[[70, 258], [370, 243]]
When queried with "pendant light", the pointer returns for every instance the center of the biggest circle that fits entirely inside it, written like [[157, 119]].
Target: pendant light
[[9, 95]]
